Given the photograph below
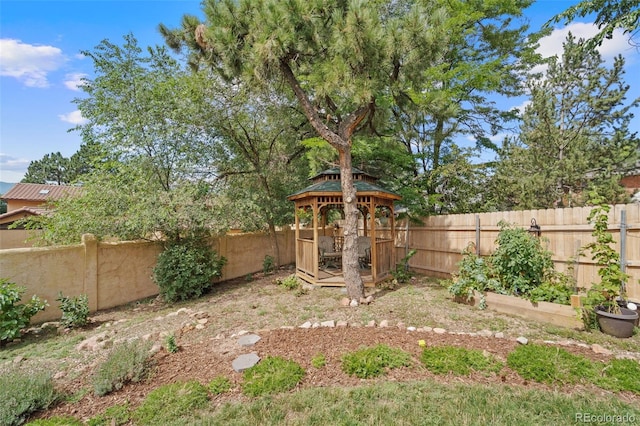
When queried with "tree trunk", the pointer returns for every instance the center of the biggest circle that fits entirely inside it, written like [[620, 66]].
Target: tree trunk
[[350, 266]]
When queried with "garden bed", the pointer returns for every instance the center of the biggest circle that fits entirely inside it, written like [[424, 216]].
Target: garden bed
[[552, 313]]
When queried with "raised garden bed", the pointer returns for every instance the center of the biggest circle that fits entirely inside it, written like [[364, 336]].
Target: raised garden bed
[[552, 313]]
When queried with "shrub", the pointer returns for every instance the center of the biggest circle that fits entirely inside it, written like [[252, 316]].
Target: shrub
[[292, 283], [219, 385], [319, 361], [185, 270], [127, 362], [372, 362], [15, 317], [551, 365], [171, 402], [271, 375], [268, 264], [461, 361], [24, 393], [116, 415], [170, 344], [520, 261], [75, 310]]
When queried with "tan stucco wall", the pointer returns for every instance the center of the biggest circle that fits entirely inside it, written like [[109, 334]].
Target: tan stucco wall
[[113, 274], [15, 238], [18, 204]]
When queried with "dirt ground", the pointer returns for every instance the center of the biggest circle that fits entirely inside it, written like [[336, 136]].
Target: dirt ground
[[207, 332]]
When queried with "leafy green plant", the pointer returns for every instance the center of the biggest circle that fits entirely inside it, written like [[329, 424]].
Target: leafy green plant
[[292, 283], [75, 310], [552, 291], [171, 402], [373, 361], [116, 415], [319, 361], [474, 274], [606, 293], [13, 316], [127, 362], [271, 375], [24, 393], [461, 361], [171, 345], [520, 261], [550, 364], [401, 272], [268, 264], [185, 270], [219, 385]]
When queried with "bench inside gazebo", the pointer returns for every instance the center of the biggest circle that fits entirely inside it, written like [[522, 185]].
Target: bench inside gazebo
[[318, 232]]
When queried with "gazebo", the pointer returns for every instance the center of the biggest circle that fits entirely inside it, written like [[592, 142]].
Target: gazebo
[[318, 232]]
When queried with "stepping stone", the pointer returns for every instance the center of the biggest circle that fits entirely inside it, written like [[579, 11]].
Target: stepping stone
[[248, 340], [245, 361]]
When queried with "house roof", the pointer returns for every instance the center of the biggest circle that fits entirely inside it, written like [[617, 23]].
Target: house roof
[[39, 192], [14, 215]]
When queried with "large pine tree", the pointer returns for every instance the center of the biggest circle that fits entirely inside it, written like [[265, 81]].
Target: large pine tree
[[341, 59], [575, 133]]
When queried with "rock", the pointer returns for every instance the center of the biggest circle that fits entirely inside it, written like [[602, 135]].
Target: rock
[[411, 329], [287, 327], [438, 330], [202, 321], [18, 359], [371, 323], [306, 325], [345, 301], [401, 325], [485, 333], [356, 324], [522, 340], [330, 323], [248, 340], [245, 361], [315, 325], [184, 311], [428, 329], [499, 335], [369, 299], [155, 349], [600, 349], [353, 303], [383, 324], [342, 323], [200, 327]]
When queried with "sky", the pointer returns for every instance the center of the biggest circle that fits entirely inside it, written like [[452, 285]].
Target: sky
[[41, 63]]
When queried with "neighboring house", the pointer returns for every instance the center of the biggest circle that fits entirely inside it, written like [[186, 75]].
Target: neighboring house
[[24, 200]]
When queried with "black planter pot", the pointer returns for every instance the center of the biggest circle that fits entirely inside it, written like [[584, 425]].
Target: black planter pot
[[618, 325]]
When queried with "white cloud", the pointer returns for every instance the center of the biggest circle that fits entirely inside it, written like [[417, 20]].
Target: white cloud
[[29, 63], [74, 81], [74, 117], [12, 169], [617, 45]]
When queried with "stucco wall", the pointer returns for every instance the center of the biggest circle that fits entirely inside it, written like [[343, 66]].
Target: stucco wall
[[113, 274]]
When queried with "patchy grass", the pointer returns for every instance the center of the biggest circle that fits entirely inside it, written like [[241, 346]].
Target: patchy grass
[[460, 361], [366, 363]]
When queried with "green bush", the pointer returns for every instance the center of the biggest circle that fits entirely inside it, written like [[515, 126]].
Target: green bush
[[551, 365], [271, 375], [171, 402], [75, 310], [23, 393], [319, 361], [292, 283], [461, 361], [127, 362], [219, 385], [268, 264], [116, 415], [15, 317], [520, 260], [170, 344], [185, 270], [372, 362]]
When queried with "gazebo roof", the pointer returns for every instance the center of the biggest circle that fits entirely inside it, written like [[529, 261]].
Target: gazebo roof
[[326, 182]]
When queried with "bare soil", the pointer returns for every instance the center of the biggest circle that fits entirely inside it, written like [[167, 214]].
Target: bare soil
[[207, 332]]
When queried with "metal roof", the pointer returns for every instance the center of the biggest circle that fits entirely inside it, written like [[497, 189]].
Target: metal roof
[[39, 192]]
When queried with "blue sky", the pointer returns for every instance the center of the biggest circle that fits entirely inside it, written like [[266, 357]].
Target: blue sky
[[40, 63]]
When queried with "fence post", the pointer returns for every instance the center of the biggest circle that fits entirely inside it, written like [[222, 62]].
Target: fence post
[[90, 243], [478, 235], [623, 240]]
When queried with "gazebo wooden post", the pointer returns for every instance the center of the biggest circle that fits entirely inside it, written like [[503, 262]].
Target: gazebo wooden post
[[316, 255], [374, 248]]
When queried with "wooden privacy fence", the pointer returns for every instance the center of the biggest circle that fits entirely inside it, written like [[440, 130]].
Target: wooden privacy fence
[[441, 239]]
